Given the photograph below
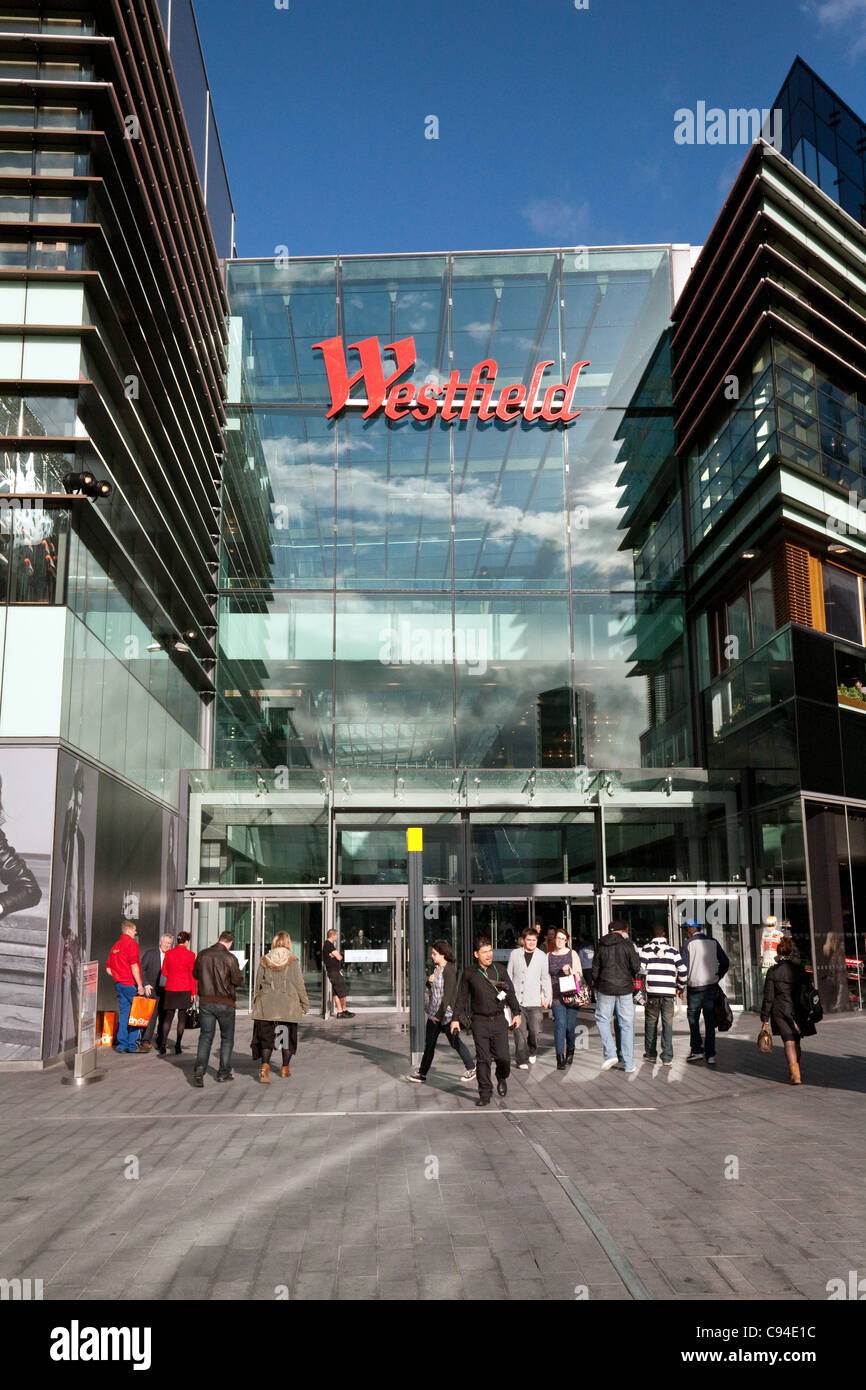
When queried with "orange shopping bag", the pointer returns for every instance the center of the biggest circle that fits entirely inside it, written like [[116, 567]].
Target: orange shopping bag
[[142, 1008], [106, 1028]]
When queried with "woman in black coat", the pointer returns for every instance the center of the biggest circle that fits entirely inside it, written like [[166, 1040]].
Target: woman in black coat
[[782, 1007]]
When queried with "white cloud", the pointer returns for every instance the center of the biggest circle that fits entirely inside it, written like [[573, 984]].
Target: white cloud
[[559, 222], [848, 16]]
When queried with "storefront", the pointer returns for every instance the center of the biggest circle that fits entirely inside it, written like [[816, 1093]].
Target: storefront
[[497, 860]]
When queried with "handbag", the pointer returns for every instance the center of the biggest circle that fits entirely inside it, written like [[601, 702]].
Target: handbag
[[193, 1016], [141, 1011], [569, 988], [723, 1012], [765, 1040]]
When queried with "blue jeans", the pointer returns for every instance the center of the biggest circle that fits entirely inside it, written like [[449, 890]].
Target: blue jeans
[[622, 1005], [127, 1038], [564, 1024], [211, 1015], [702, 1001]]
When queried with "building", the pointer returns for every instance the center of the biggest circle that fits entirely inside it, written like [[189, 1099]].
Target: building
[[769, 370], [556, 554], [113, 348]]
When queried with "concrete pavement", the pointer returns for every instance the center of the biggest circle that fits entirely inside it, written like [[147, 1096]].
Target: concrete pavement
[[346, 1182]]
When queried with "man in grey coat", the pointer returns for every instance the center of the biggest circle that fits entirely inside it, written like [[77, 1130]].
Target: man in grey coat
[[530, 974]]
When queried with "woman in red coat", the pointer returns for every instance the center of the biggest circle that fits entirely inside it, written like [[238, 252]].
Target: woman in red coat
[[180, 988]]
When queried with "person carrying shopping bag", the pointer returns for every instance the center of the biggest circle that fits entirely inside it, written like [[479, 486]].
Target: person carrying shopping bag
[[566, 977]]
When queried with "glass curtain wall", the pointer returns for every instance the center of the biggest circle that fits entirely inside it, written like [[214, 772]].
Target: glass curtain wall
[[431, 595]]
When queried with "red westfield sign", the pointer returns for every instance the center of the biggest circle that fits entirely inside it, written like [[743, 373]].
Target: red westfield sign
[[400, 399]]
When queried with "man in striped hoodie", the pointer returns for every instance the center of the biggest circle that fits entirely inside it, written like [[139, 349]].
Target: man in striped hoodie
[[665, 973]]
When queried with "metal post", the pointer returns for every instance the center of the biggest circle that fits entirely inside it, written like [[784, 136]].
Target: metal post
[[415, 847]]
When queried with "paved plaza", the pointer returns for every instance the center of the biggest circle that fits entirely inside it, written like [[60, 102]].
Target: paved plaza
[[346, 1182]]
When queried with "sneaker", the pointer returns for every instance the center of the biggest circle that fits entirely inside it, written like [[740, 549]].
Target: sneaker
[[468, 1075], [695, 1057], [532, 1059], [711, 1061], [668, 1064], [417, 1078], [628, 1070], [143, 1047], [347, 1013], [523, 1066], [611, 1062], [650, 1056], [198, 1077], [229, 1076]]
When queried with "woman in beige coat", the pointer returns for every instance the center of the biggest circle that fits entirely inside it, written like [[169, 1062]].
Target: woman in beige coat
[[280, 999]]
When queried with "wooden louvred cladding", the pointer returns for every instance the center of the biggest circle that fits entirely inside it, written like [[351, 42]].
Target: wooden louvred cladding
[[792, 587]]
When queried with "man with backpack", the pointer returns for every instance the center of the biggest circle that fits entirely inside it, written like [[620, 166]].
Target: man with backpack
[[665, 973], [706, 964]]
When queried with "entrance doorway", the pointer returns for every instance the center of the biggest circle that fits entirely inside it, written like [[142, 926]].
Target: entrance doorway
[[255, 922], [371, 940], [648, 915]]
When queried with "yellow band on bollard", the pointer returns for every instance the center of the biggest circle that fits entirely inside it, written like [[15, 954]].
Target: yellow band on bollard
[[415, 839]]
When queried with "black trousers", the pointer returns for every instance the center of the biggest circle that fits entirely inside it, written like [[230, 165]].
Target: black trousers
[[491, 1044], [155, 1024]]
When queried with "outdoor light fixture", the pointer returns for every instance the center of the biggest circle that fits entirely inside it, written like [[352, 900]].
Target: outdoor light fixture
[[87, 485], [837, 549], [180, 645], [748, 555], [154, 646]]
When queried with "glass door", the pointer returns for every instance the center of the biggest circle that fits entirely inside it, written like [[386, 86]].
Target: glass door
[[370, 937], [303, 920], [503, 921], [212, 916], [646, 917]]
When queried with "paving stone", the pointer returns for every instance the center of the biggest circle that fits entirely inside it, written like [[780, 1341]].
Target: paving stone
[[338, 1206]]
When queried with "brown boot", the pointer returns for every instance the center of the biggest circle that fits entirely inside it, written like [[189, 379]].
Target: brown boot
[[286, 1070], [794, 1076], [265, 1074]]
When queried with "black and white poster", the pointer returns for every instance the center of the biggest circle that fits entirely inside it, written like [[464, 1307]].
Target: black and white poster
[[72, 900], [27, 786]]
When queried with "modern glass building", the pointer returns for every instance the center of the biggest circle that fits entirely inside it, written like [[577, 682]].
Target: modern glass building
[[446, 622], [557, 554], [113, 360]]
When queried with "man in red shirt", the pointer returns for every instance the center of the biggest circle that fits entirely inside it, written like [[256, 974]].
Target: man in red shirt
[[124, 967]]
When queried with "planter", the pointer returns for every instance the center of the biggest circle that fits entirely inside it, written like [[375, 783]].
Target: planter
[[850, 703]]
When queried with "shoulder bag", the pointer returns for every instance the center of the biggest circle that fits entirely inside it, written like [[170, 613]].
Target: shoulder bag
[[570, 986]]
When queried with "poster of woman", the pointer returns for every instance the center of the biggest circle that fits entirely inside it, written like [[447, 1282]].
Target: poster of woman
[[71, 910], [27, 778]]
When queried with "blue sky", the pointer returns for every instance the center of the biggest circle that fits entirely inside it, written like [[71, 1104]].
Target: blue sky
[[555, 124]]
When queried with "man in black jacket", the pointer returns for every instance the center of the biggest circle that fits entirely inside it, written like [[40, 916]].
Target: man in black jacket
[[218, 974], [482, 995], [615, 966]]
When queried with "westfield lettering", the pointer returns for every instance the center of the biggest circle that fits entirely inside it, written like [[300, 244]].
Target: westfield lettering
[[399, 398]]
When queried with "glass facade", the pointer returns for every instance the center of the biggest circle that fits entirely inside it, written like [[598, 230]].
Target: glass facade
[[436, 594]]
